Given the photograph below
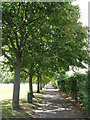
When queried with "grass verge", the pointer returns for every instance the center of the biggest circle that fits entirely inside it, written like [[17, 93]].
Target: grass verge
[[27, 110]]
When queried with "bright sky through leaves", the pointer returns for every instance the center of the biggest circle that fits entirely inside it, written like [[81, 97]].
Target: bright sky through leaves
[[84, 10]]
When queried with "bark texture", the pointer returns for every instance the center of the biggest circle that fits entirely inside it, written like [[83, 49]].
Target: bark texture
[[30, 84], [16, 89], [40, 82], [38, 85]]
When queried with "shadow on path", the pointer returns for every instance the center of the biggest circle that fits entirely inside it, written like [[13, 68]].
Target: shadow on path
[[55, 106]]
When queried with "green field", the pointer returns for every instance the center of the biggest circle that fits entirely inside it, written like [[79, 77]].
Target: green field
[[6, 90], [27, 109]]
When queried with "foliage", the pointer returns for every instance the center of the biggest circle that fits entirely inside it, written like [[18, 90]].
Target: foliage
[[23, 77], [54, 33], [81, 88], [41, 38], [7, 79]]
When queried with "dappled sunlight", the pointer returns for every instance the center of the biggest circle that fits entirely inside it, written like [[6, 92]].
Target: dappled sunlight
[[41, 44], [26, 109], [55, 106], [51, 89], [49, 107], [8, 112], [54, 96], [54, 110]]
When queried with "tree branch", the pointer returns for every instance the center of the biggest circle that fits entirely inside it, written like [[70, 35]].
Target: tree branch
[[26, 11], [19, 7], [35, 20], [17, 42], [26, 36], [13, 46], [25, 71], [11, 61]]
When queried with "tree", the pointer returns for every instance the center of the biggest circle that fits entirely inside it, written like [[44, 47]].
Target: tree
[[48, 31], [14, 40]]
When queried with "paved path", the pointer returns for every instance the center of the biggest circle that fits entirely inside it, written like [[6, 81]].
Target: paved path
[[55, 106]]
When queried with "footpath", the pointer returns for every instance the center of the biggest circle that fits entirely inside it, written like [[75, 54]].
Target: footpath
[[54, 105]]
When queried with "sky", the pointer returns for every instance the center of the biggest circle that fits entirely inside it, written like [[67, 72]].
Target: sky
[[83, 4]]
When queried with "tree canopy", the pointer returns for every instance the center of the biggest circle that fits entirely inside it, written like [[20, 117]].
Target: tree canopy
[[42, 36]]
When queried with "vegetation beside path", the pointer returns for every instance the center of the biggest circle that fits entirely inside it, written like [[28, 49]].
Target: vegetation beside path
[[26, 109], [74, 88], [39, 42]]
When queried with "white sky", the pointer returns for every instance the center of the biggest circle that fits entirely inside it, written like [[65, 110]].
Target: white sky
[[83, 4]]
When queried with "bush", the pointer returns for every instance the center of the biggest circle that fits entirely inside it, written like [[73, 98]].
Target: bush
[[75, 86]]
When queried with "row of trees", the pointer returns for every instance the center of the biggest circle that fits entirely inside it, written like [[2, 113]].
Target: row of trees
[[41, 39]]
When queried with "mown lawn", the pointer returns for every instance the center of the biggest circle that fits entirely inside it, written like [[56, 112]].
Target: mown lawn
[[6, 90], [26, 109]]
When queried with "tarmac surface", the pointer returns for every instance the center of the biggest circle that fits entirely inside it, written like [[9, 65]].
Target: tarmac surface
[[55, 106]]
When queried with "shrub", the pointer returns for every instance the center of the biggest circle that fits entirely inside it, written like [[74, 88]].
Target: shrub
[[75, 86]]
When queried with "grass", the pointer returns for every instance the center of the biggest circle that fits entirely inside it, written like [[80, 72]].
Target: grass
[[26, 109], [6, 90]]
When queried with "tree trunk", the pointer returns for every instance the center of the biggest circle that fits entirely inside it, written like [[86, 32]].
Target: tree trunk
[[63, 86], [40, 83], [38, 90], [16, 89], [30, 84], [74, 90], [89, 91]]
